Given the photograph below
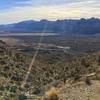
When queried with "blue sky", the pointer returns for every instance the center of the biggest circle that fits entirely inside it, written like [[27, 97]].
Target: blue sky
[[18, 10], [6, 4]]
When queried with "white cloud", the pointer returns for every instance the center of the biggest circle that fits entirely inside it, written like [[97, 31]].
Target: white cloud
[[88, 8]]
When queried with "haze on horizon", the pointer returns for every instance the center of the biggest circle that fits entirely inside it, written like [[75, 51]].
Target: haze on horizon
[[18, 10]]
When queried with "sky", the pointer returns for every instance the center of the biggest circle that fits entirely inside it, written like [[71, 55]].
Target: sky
[[12, 11]]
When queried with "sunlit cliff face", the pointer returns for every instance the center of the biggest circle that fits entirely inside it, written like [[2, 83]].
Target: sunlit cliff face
[[18, 10]]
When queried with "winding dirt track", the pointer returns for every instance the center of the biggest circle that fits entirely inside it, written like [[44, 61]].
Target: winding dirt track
[[34, 57]]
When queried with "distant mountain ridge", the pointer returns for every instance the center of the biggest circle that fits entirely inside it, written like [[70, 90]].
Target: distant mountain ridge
[[67, 26]]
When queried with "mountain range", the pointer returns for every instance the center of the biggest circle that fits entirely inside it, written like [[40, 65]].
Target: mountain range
[[66, 26]]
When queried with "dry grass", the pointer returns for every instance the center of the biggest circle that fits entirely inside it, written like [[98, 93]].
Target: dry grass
[[52, 94]]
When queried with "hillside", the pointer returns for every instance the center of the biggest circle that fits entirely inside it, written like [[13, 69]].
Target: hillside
[[51, 69], [68, 26]]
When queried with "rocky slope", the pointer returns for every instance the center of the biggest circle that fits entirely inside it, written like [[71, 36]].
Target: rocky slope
[[75, 77]]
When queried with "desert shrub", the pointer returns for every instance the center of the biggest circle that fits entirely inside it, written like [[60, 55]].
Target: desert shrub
[[99, 60], [2, 88], [88, 81], [11, 95], [2, 62], [7, 87], [16, 78], [84, 63], [22, 97], [13, 89]]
